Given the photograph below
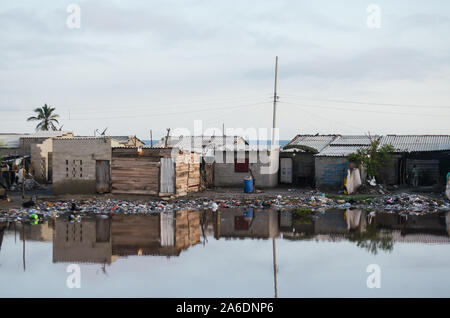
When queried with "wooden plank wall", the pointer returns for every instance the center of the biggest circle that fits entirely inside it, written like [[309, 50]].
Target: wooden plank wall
[[187, 173], [139, 175]]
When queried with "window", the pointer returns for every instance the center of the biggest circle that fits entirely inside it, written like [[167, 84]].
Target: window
[[240, 166]]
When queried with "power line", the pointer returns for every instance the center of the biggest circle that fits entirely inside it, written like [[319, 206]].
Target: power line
[[364, 110], [128, 109], [368, 103], [162, 114]]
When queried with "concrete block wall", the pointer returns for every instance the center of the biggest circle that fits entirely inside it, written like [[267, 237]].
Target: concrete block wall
[[26, 144], [330, 171], [224, 174], [39, 160], [74, 161]]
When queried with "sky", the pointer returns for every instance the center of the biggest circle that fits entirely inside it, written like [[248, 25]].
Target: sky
[[135, 66]]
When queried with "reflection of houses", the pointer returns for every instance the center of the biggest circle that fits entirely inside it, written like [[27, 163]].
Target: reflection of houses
[[37, 232], [163, 234], [104, 239], [88, 241], [247, 223], [3, 226], [335, 225], [427, 223]]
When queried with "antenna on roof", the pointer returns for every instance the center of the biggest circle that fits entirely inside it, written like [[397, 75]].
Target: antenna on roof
[[101, 133]]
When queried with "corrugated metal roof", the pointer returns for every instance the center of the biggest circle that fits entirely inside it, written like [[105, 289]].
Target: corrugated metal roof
[[198, 143], [10, 141], [121, 138], [417, 143], [317, 142], [13, 140], [339, 150], [353, 140], [47, 134], [124, 139]]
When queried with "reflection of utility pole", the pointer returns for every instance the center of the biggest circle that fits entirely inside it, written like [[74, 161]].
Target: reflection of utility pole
[[23, 252], [275, 267], [202, 226], [217, 225]]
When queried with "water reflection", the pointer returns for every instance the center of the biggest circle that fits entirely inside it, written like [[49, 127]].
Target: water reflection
[[105, 239], [368, 231]]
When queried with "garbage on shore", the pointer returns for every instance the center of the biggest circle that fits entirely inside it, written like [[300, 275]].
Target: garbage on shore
[[403, 203]]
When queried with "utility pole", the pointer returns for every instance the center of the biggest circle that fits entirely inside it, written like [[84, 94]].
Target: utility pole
[[151, 139], [167, 137], [275, 99]]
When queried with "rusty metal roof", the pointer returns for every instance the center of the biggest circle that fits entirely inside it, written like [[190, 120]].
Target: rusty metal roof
[[317, 142], [417, 143]]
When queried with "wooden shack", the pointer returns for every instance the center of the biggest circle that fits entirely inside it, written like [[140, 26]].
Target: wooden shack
[[154, 171]]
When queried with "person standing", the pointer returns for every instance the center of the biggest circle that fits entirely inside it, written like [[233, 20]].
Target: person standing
[[415, 175]]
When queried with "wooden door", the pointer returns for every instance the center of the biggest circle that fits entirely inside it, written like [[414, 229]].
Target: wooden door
[[102, 176]]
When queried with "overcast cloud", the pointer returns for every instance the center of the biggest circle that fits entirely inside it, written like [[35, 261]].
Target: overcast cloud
[[139, 65]]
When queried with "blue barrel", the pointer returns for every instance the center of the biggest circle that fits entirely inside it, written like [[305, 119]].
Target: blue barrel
[[248, 185]]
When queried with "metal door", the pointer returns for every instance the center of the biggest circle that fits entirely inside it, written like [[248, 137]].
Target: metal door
[[167, 176], [286, 170]]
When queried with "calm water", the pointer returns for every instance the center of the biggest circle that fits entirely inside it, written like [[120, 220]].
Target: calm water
[[230, 253]]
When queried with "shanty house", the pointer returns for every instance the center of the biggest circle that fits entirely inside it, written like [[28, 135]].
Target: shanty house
[[20, 144], [82, 164], [429, 153], [297, 161], [154, 171], [331, 163], [231, 165]]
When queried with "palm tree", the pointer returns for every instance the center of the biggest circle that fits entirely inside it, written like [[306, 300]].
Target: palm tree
[[46, 118]]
